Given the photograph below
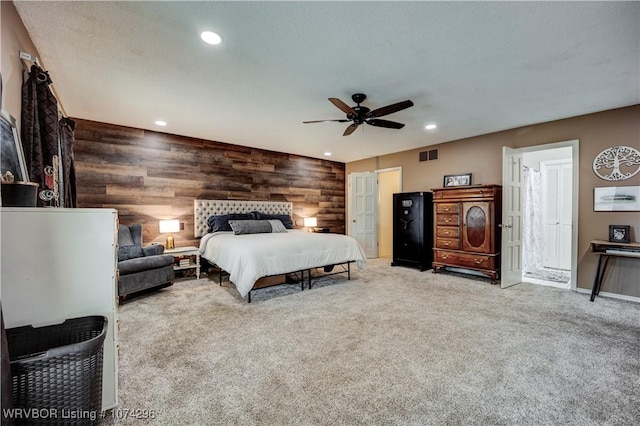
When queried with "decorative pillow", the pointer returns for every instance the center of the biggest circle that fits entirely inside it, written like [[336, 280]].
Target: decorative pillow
[[241, 227], [220, 222], [284, 218], [130, 252], [276, 226]]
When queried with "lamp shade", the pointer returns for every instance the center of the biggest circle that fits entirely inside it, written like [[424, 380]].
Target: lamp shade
[[310, 222], [169, 225]]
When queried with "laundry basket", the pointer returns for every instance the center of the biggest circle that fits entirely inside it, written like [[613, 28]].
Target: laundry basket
[[56, 371]]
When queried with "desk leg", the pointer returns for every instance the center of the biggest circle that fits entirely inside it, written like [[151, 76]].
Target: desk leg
[[597, 281]]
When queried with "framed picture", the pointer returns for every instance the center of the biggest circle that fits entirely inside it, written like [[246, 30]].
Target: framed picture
[[11, 155], [619, 233], [616, 198], [457, 180]]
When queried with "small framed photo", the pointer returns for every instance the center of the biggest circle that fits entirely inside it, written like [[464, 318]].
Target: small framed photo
[[619, 233], [457, 180]]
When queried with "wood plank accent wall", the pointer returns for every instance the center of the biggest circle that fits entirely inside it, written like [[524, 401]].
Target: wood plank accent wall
[[148, 176]]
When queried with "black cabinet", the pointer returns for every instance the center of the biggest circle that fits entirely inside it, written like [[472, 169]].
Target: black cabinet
[[413, 229]]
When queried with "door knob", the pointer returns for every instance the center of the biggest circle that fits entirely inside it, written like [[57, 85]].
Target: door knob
[[505, 226]]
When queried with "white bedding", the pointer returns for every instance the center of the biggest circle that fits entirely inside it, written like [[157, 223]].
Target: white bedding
[[249, 257]]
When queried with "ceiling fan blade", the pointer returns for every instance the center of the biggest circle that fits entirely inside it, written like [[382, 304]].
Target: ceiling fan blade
[[389, 109], [323, 121], [385, 123], [350, 129], [342, 106]]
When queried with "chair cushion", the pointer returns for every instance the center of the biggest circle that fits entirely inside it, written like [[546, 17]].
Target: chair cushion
[[144, 263], [129, 252]]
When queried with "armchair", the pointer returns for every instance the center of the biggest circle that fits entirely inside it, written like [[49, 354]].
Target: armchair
[[140, 267]]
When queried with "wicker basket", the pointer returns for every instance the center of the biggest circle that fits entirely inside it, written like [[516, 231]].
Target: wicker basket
[[57, 370]]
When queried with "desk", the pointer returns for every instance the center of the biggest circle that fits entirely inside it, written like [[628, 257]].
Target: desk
[[606, 250]]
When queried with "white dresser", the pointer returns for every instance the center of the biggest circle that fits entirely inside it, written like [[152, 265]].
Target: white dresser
[[59, 264]]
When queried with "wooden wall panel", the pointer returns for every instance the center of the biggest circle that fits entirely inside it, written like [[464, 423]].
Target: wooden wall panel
[[148, 176]]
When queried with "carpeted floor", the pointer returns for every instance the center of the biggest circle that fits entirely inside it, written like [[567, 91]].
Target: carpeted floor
[[391, 346]]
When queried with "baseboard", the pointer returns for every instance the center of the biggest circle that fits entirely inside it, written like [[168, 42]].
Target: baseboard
[[611, 295]]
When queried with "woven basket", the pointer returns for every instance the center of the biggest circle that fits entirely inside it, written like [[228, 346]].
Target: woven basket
[[57, 370]]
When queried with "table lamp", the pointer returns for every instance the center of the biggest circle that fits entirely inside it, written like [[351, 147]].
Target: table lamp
[[310, 222], [169, 226]]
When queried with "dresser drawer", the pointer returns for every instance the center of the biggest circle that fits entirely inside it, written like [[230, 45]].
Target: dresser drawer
[[447, 208], [448, 231], [447, 219], [465, 260], [448, 243]]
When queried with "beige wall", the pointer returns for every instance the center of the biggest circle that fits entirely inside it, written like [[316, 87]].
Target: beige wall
[[15, 38], [482, 156], [388, 184]]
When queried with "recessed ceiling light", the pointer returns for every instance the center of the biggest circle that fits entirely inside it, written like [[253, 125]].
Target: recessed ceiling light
[[327, 154], [210, 37], [430, 126], [160, 123]]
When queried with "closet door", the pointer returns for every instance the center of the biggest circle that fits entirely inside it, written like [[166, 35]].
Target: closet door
[[556, 214]]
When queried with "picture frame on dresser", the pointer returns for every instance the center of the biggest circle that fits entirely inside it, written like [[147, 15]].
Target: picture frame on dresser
[[457, 180]]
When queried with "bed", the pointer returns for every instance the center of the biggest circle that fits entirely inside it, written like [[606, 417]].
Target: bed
[[257, 260]]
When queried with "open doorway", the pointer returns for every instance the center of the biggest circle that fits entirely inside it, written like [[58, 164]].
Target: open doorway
[[547, 217], [389, 183], [371, 209]]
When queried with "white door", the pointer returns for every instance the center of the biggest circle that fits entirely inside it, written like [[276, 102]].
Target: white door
[[363, 194], [511, 251], [557, 213]]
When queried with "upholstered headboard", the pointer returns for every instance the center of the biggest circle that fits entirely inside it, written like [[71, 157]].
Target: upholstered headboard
[[202, 209]]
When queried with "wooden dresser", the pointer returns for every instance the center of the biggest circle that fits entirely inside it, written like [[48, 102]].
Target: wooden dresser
[[467, 232]]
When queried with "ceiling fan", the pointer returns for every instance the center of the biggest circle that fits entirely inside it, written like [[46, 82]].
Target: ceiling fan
[[361, 114]]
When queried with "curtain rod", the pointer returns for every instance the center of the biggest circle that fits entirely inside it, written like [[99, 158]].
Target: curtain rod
[[24, 56]]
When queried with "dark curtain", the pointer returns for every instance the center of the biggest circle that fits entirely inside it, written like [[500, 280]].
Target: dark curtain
[[39, 125], [68, 188]]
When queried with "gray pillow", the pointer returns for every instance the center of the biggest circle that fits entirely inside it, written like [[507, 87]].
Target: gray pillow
[[130, 252], [242, 227], [277, 226], [220, 222], [284, 218]]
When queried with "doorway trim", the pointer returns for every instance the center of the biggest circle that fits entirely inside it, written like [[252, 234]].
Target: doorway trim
[[574, 144]]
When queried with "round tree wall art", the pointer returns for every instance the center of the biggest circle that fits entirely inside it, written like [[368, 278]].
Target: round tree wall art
[[617, 163]]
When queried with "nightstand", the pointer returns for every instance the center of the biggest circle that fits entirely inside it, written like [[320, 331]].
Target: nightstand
[[185, 253], [321, 230]]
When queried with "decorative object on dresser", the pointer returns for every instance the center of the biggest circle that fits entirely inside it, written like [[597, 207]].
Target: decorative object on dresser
[[467, 230], [413, 229], [457, 180]]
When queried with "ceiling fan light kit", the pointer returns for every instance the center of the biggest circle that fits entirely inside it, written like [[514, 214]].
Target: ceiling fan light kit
[[361, 114]]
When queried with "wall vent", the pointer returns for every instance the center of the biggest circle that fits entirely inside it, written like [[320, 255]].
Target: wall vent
[[429, 155]]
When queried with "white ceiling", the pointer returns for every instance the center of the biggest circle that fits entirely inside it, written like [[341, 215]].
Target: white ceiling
[[471, 67]]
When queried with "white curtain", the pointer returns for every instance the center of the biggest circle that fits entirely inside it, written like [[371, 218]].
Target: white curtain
[[532, 221]]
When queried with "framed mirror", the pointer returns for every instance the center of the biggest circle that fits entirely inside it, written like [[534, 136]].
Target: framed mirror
[[11, 154]]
